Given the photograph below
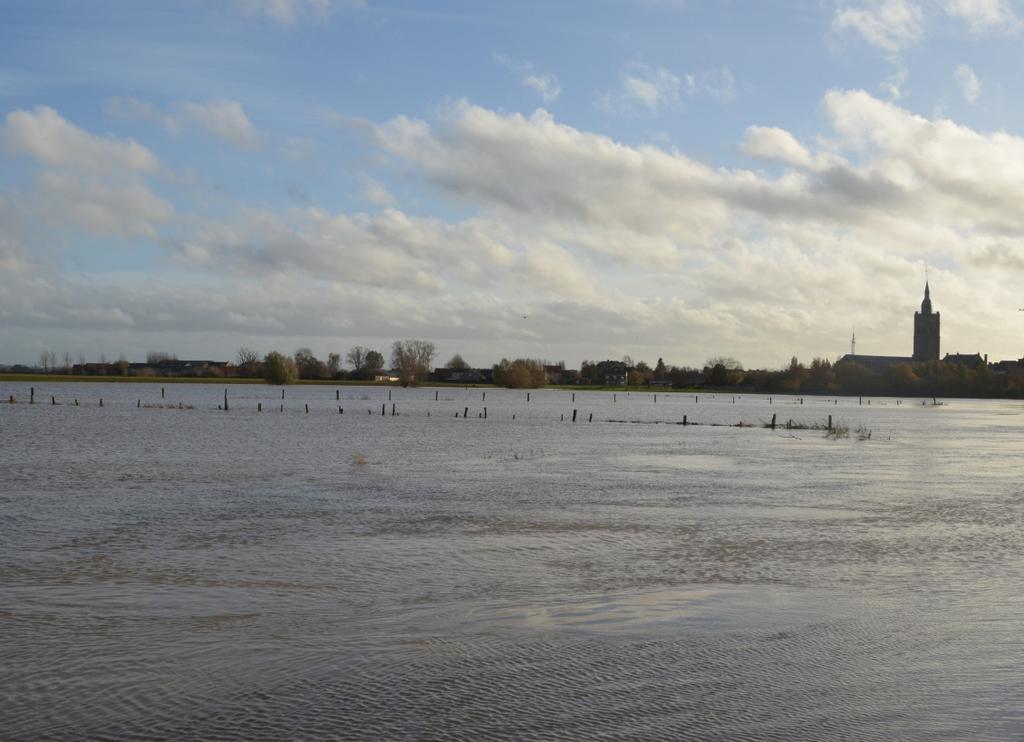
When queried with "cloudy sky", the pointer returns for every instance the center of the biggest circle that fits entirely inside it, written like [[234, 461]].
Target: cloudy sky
[[566, 180]]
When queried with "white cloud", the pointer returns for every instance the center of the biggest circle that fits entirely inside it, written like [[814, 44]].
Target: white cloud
[[226, 120], [43, 134], [985, 15], [289, 12], [891, 25], [546, 86], [772, 143], [720, 84], [221, 118], [644, 89], [375, 192], [100, 207], [602, 244], [970, 87], [123, 107]]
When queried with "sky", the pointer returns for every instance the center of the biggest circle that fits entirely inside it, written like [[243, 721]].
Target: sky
[[676, 179]]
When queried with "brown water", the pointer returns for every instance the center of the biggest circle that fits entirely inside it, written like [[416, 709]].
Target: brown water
[[199, 573]]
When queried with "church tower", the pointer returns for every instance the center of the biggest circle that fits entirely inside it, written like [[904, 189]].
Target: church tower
[[926, 331]]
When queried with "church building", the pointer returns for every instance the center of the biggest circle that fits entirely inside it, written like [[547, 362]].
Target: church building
[[926, 331], [926, 341]]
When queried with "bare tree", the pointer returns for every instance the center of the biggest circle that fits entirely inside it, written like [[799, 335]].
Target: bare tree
[[356, 357], [412, 359], [44, 360], [248, 361], [51, 359]]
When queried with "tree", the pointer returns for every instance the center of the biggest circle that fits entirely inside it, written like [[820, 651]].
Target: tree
[[640, 375], [365, 362], [356, 357], [154, 357], [412, 360], [44, 360], [333, 365], [457, 362], [308, 365], [522, 373], [793, 379], [248, 361], [279, 368], [660, 372]]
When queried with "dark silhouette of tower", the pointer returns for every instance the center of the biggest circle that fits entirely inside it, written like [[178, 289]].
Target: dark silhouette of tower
[[926, 330]]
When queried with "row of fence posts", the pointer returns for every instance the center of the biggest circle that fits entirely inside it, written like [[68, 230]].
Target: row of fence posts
[[394, 407]]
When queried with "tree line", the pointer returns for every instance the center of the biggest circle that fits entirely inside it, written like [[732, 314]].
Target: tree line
[[410, 360]]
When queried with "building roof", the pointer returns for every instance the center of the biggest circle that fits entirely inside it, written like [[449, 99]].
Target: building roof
[[876, 362]]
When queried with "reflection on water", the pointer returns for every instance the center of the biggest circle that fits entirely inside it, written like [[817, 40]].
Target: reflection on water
[[193, 572]]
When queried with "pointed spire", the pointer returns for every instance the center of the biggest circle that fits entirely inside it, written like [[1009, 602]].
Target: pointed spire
[[926, 305]]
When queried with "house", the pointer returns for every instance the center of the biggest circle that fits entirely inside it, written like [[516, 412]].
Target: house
[[1005, 367], [613, 373], [974, 360]]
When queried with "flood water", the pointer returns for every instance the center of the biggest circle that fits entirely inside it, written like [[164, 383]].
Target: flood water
[[198, 573]]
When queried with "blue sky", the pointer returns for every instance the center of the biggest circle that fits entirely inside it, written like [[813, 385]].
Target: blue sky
[[566, 180]]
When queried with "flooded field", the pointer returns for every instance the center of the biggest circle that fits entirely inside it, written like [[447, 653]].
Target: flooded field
[[183, 571]]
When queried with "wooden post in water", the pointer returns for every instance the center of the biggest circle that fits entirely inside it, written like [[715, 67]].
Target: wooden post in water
[[341, 410], [574, 396], [389, 395], [615, 398], [225, 400], [485, 413], [696, 399], [860, 400], [32, 395], [465, 413], [11, 399], [591, 418], [138, 404], [337, 394], [161, 392], [574, 415], [259, 407], [282, 408], [684, 420], [76, 403], [393, 409], [483, 397], [655, 399], [383, 409], [101, 401], [527, 396], [773, 422], [282, 394], [53, 400], [307, 408], [435, 396], [829, 423]]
